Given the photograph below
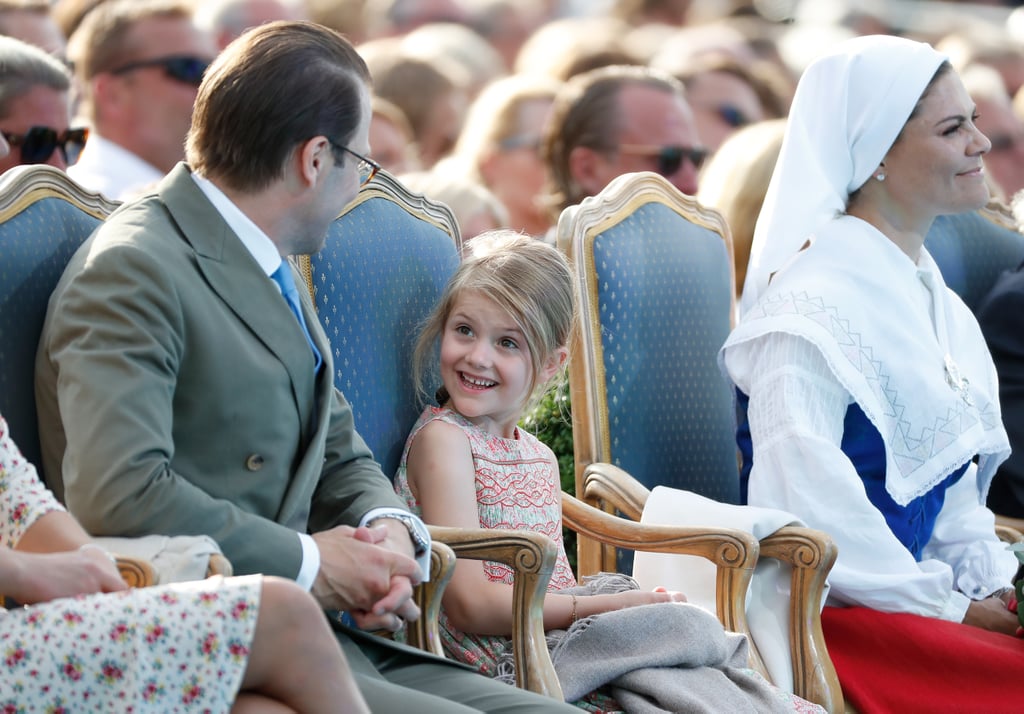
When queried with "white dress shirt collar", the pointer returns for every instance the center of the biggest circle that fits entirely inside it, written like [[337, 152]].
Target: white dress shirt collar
[[252, 236]]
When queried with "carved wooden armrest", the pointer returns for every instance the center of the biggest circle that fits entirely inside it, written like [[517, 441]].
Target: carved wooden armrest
[[139, 573], [612, 487], [811, 553], [424, 633], [733, 551], [219, 565], [532, 557], [136, 572], [1009, 530]]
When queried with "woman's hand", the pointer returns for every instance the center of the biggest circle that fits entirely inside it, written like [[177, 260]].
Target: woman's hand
[[39, 577], [991, 614]]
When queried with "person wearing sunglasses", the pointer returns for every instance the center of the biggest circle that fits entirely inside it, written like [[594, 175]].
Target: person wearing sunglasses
[[34, 109], [616, 120], [499, 146], [179, 352], [139, 64]]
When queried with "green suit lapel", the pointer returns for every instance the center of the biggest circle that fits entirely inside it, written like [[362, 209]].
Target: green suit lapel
[[237, 279]]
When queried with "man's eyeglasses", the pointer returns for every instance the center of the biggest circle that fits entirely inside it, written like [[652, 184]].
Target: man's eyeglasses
[[367, 167], [38, 143], [183, 68], [669, 158]]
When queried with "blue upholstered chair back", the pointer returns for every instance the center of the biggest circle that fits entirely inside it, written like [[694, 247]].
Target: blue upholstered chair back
[[44, 218], [973, 248], [385, 263], [656, 273]]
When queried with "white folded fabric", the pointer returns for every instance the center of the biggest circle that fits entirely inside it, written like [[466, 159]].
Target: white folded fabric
[[768, 597], [174, 558]]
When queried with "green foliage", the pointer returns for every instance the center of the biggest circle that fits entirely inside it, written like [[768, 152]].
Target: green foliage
[[551, 422]]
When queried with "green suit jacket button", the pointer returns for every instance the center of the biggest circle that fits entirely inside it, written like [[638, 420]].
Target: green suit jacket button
[[254, 462]]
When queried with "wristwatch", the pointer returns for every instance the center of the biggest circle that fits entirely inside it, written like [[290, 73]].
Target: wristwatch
[[417, 531]]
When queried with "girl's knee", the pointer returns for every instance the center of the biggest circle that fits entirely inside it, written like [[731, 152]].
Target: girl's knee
[[287, 600]]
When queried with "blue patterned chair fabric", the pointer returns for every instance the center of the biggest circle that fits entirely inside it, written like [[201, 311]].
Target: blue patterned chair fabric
[[650, 406], [379, 274], [660, 310], [973, 248], [44, 218]]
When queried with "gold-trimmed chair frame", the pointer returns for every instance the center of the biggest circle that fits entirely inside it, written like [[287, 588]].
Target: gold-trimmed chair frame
[[602, 485], [384, 185], [23, 186]]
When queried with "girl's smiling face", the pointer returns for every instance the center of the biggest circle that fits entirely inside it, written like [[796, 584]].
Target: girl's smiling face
[[485, 364]]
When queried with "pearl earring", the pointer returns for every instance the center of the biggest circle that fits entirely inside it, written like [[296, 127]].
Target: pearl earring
[[880, 177]]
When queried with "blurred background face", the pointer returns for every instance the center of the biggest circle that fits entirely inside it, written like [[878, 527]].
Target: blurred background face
[[652, 121], [40, 106], [157, 107], [441, 129], [35, 28], [721, 103], [1005, 161], [515, 172], [391, 146]]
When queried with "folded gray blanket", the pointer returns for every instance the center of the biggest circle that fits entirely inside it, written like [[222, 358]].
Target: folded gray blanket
[[667, 657]]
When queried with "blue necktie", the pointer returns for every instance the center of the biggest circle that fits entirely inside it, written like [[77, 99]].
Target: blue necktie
[[283, 277]]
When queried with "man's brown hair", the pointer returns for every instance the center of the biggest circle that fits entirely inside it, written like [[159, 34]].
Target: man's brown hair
[[273, 88]]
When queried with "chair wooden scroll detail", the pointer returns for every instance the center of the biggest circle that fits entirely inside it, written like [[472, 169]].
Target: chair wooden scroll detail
[[140, 573], [649, 405], [532, 556], [136, 573]]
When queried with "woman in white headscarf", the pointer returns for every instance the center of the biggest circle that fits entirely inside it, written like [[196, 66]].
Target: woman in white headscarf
[[871, 400]]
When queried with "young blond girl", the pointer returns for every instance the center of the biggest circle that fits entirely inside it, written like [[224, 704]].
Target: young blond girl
[[501, 329]]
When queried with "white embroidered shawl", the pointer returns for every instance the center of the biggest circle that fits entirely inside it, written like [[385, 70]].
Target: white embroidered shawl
[[926, 383]]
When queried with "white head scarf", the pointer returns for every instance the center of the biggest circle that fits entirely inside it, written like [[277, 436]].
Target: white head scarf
[[849, 107]]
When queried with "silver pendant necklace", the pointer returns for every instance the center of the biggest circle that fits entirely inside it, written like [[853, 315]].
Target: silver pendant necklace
[[956, 381]]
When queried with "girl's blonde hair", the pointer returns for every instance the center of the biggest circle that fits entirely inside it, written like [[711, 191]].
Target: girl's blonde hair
[[531, 280]]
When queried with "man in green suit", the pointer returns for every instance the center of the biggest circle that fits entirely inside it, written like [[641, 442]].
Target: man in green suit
[[179, 393]]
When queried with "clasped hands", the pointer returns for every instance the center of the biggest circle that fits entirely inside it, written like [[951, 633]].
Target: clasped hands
[[368, 572]]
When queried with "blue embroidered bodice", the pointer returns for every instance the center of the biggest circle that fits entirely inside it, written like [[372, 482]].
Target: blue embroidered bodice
[[911, 524]]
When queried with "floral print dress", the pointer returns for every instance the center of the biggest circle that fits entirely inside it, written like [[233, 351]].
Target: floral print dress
[[173, 648]]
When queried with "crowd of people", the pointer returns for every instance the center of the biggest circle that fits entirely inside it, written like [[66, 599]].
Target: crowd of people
[[184, 385]]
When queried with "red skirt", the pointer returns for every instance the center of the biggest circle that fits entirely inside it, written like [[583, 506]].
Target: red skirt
[[907, 663]]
